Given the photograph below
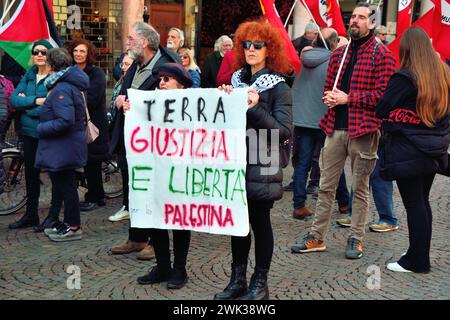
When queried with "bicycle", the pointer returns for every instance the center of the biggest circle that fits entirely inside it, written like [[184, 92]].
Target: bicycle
[[14, 196]]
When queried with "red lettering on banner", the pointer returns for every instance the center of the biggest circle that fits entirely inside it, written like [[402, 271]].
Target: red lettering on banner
[[134, 142], [198, 143], [196, 216]]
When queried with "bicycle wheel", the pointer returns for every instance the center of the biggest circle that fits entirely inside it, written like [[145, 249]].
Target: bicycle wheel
[[14, 196], [112, 179]]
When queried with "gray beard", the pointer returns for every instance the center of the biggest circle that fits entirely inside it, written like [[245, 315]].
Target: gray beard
[[136, 55]]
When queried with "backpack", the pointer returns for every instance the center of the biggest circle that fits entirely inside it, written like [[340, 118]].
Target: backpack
[[6, 88]]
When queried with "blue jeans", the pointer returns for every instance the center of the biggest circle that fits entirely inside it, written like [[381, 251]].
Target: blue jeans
[[305, 140], [382, 191]]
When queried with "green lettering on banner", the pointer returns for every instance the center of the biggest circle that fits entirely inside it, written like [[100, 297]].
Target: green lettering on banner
[[215, 182], [241, 188], [171, 188], [195, 183], [206, 190], [134, 179], [227, 174]]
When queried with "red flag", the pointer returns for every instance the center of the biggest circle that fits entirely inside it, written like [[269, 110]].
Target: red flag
[[441, 34], [403, 16], [335, 17], [271, 14], [426, 22], [318, 9]]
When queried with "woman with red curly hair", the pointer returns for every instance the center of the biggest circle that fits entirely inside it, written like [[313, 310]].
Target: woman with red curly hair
[[262, 66]]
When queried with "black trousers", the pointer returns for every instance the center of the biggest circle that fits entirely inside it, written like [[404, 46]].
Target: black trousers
[[123, 165], [32, 176], [259, 215], [64, 188], [93, 172], [181, 241], [415, 196]]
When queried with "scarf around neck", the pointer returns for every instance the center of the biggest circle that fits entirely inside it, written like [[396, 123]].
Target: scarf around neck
[[54, 77], [263, 83]]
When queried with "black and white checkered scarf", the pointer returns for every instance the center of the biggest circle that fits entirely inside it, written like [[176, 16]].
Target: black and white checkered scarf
[[262, 83]]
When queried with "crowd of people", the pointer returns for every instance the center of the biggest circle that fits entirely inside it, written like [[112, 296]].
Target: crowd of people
[[348, 101]]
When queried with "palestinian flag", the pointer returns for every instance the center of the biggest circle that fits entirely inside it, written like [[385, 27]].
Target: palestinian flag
[[32, 21]]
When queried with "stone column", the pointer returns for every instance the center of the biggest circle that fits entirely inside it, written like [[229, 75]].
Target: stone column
[[132, 11]]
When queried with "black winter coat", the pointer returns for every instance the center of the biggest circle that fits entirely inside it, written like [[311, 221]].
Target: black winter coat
[[274, 111], [96, 101], [117, 144], [411, 149]]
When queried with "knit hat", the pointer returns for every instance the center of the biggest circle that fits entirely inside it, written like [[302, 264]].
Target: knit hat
[[42, 42], [176, 71]]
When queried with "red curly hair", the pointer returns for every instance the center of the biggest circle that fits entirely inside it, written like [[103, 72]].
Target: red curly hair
[[259, 30]]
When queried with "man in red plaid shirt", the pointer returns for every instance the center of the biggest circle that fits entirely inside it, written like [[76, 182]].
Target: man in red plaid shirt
[[351, 127]]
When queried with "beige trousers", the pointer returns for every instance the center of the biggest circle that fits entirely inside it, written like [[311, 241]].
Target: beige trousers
[[363, 156]]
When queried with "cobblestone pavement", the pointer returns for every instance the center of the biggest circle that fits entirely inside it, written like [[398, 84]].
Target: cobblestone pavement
[[32, 267]]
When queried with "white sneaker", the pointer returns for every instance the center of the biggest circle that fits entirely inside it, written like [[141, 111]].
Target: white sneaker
[[122, 214], [394, 266]]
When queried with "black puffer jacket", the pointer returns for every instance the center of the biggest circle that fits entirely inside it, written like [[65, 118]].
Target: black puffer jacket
[[274, 111], [96, 101], [411, 149]]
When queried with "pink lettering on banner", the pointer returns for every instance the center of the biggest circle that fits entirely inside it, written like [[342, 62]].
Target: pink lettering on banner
[[404, 116], [197, 215], [195, 143]]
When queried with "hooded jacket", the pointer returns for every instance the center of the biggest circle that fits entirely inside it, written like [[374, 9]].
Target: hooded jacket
[[62, 124], [307, 91], [411, 149]]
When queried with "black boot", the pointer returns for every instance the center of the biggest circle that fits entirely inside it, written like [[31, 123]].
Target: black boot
[[26, 221], [237, 286], [258, 289]]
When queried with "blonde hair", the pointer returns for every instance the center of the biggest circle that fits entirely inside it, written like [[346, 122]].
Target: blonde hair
[[431, 74], [192, 65]]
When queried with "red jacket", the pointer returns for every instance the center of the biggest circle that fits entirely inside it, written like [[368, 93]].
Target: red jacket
[[226, 69], [371, 73]]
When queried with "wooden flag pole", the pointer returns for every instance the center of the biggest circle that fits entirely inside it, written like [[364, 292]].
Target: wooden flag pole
[[290, 12], [345, 53], [318, 28], [8, 8]]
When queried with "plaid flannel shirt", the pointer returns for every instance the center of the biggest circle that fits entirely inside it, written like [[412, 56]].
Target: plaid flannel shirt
[[371, 73]]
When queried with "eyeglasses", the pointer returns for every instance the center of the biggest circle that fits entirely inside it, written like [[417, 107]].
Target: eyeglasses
[[184, 56], [124, 64], [256, 44], [165, 78], [131, 39], [382, 34], [35, 52]]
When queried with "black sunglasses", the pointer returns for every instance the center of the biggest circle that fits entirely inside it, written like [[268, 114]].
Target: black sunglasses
[[165, 78], [256, 44], [184, 56], [35, 52]]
